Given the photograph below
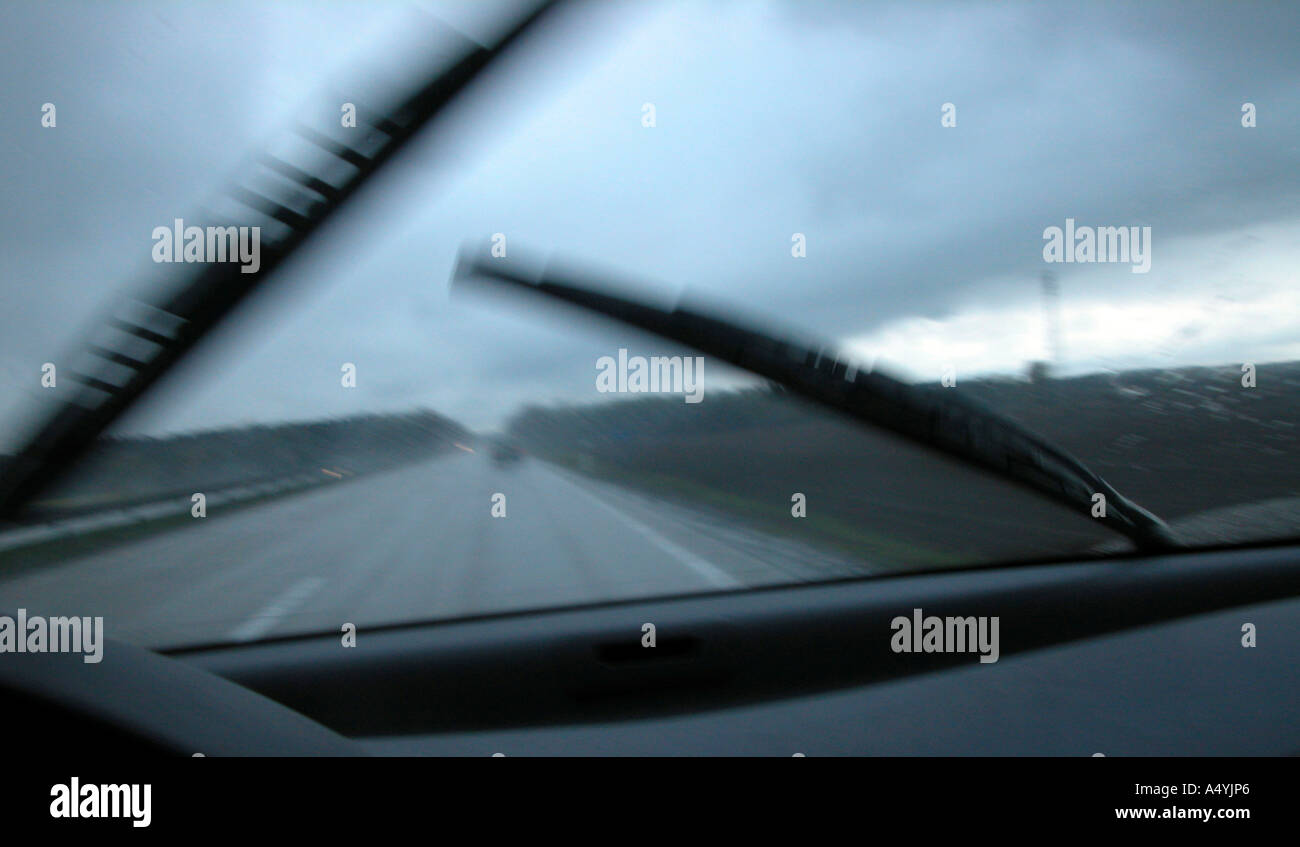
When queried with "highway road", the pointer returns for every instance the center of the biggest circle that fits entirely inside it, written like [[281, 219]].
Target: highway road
[[415, 544]]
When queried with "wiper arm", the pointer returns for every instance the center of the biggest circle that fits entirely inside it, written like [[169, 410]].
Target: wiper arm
[[173, 322], [935, 418]]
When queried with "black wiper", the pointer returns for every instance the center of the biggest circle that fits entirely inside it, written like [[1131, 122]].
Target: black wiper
[[935, 418], [170, 324]]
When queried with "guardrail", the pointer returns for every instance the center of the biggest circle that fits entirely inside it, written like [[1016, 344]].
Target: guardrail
[[131, 515]]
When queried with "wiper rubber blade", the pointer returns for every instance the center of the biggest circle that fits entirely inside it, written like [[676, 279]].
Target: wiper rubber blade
[[933, 417]]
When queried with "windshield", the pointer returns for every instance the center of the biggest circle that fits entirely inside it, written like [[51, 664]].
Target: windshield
[[1089, 229]]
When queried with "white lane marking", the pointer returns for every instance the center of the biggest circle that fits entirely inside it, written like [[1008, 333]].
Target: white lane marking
[[773, 551], [262, 622], [710, 572]]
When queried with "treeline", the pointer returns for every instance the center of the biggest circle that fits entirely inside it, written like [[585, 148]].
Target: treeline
[[622, 423], [123, 471], [1085, 414], [1194, 418]]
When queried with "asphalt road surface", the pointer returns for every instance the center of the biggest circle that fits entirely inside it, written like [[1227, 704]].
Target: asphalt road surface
[[414, 544]]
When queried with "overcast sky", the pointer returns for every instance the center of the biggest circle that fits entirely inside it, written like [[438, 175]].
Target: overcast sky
[[924, 242]]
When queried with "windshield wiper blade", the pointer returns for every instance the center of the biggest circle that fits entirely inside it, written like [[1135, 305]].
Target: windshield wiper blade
[[936, 418], [173, 322]]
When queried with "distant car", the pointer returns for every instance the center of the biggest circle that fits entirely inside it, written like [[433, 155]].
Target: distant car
[[506, 453]]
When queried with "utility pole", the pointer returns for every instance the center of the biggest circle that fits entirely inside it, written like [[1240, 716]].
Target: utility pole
[[1052, 321]]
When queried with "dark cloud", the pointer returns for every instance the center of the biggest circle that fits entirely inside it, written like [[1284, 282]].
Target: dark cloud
[[772, 119]]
